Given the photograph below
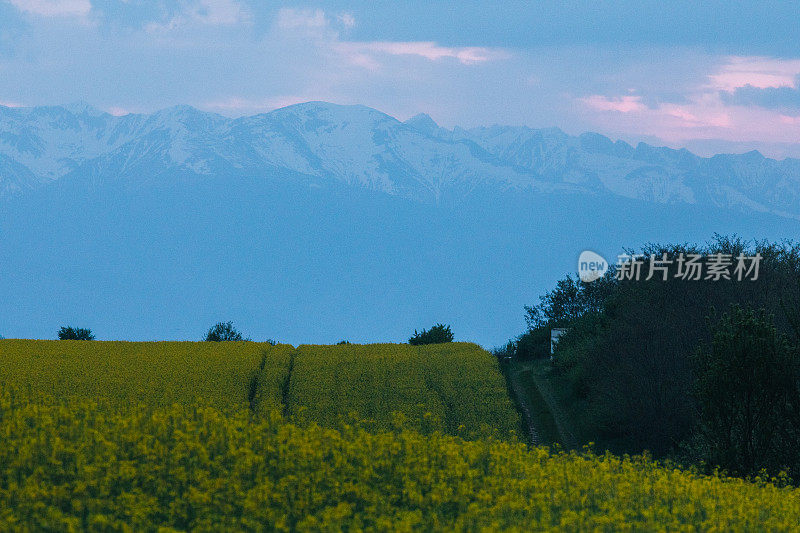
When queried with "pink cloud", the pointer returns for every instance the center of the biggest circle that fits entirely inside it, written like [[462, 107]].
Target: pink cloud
[[429, 50], [347, 20], [239, 106], [118, 111], [323, 31], [704, 116], [621, 104], [759, 72], [204, 13]]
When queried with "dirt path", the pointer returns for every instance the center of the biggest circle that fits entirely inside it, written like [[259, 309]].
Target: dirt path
[[568, 439], [522, 399], [526, 379]]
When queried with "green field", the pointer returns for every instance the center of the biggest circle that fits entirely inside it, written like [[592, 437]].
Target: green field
[[155, 373], [455, 388], [113, 436]]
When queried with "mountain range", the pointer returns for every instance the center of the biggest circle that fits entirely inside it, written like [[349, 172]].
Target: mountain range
[[360, 146], [319, 222]]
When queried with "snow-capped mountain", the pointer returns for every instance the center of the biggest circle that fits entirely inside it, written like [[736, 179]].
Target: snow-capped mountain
[[363, 147], [319, 222]]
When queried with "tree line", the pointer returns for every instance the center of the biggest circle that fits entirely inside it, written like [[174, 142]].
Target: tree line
[[703, 371], [227, 332]]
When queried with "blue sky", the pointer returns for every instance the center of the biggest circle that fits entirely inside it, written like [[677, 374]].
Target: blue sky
[[713, 76]]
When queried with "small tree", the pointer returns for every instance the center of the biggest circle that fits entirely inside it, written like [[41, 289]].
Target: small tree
[[746, 381], [75, 334], [436, 335], [223, 331]]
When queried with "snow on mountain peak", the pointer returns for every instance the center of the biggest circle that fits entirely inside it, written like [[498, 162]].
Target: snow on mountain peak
[[82, 108], [362, 146], [424, 123]]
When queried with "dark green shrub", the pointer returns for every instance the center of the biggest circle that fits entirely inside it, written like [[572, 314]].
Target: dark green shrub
[[223, 331], [436, 335], [746, 388], [75, 334]]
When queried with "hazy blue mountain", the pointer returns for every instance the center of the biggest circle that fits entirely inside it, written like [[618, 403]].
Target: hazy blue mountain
[[16, 178], [364, 147], [318, 222]]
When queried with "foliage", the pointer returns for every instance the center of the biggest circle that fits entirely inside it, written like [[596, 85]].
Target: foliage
[[436, 335], [68, 465], [504, 352], [627, 354], [223, 331], [571, 299], [746, 384], [533, 344], [75, 334]]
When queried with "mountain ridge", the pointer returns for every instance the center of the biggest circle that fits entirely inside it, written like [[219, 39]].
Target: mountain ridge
[[364, 147]]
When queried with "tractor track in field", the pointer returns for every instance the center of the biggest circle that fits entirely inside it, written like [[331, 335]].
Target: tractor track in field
[[523, 380], [566, 435], [519, 392], [285, 388]]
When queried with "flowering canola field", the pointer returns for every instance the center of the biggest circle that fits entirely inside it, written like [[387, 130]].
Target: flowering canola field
[[156, 373], [216, 437], [455, 387]]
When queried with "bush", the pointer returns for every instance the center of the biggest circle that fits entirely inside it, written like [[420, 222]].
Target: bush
[[746, 387], [506, 351], [436, 335], [75, 334], [222, 332], [533, 344]]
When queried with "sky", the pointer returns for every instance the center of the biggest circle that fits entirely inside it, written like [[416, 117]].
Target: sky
[[711, 76]]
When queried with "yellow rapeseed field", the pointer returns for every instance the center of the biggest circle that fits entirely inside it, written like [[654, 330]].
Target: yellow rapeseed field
[[70, 465], [114, 436], [158, 373], [457, 387], [453, 387]]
